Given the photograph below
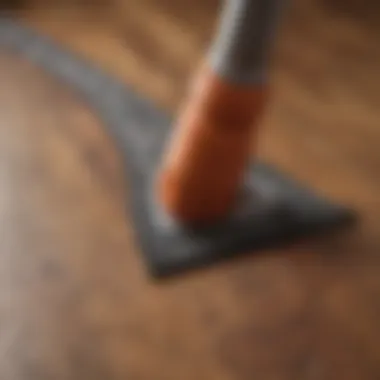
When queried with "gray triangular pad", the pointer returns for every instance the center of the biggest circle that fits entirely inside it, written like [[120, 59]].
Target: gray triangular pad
[[273, 208]]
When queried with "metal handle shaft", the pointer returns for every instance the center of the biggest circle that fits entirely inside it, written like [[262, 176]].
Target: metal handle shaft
[[240, 51]]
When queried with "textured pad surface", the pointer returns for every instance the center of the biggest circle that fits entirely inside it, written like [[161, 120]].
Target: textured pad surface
[[272, 207]]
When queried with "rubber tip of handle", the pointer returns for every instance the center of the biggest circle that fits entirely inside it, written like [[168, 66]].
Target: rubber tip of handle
[[210, 148]]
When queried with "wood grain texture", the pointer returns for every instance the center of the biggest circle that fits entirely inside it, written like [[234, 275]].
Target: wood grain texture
[[75, 301]]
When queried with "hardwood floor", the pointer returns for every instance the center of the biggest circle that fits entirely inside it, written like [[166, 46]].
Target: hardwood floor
[[75, 302]]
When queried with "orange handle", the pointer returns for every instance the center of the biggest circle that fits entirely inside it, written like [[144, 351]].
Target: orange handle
[[208, 154]]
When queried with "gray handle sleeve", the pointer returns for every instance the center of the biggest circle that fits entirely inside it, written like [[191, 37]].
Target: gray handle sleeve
[[244, 39]]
